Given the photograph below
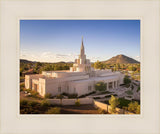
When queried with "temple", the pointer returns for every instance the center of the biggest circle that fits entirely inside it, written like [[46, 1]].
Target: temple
[[82, 64], [80, 79]]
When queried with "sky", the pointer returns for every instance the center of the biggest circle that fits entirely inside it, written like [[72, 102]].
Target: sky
[[60, 40]]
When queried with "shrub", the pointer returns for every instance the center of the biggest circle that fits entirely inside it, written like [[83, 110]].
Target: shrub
[[113, 102], [65, 94], [132, 106], [29, 107], [123, 102], [48, 96], [33, 94], [77, 103], [55, 110], [45, 104], [138, 109], [23, 102], [82, 96], [72, 96], [126, 80], [32, 103], [100, 86], [60, 96]]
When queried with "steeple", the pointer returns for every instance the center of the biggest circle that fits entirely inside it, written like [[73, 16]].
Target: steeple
[[82, 48]]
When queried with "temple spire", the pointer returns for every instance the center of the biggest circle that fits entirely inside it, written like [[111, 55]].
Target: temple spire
[[82, 48]]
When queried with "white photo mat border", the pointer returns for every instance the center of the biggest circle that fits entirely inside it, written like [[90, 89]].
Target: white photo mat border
[[13, 11]]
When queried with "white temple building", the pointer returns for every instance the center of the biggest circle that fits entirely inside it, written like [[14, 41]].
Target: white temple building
[[80, 79]]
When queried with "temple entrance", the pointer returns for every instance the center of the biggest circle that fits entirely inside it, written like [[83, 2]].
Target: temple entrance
[[110, 85]]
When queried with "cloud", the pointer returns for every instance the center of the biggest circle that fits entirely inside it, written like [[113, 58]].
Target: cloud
[[53, 57], [48, 56], [61, 55]]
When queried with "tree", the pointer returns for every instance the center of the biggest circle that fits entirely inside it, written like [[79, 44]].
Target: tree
[[126, 80], [48, 96], [45, 104], [138, 109], [55, 110], [99, 65], [126, 73], [118, 66], [113, 102], [133, 106], [77, 102], [114, 68], [100, 86]]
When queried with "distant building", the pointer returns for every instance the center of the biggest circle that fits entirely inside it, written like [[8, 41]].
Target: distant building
[[80, 79]]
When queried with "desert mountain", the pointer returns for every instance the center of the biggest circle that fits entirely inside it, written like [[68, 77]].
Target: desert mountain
[[121, 59], [25, 61], [28, 61]]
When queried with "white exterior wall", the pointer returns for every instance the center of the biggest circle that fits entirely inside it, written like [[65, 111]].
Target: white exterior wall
[[82, 87], [53, 84], [52, 87], [71, 85], [42, 87], [28, 80]]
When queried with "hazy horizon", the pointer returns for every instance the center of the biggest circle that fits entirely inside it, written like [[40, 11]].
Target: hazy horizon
[[60, 40], [72, 61]]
